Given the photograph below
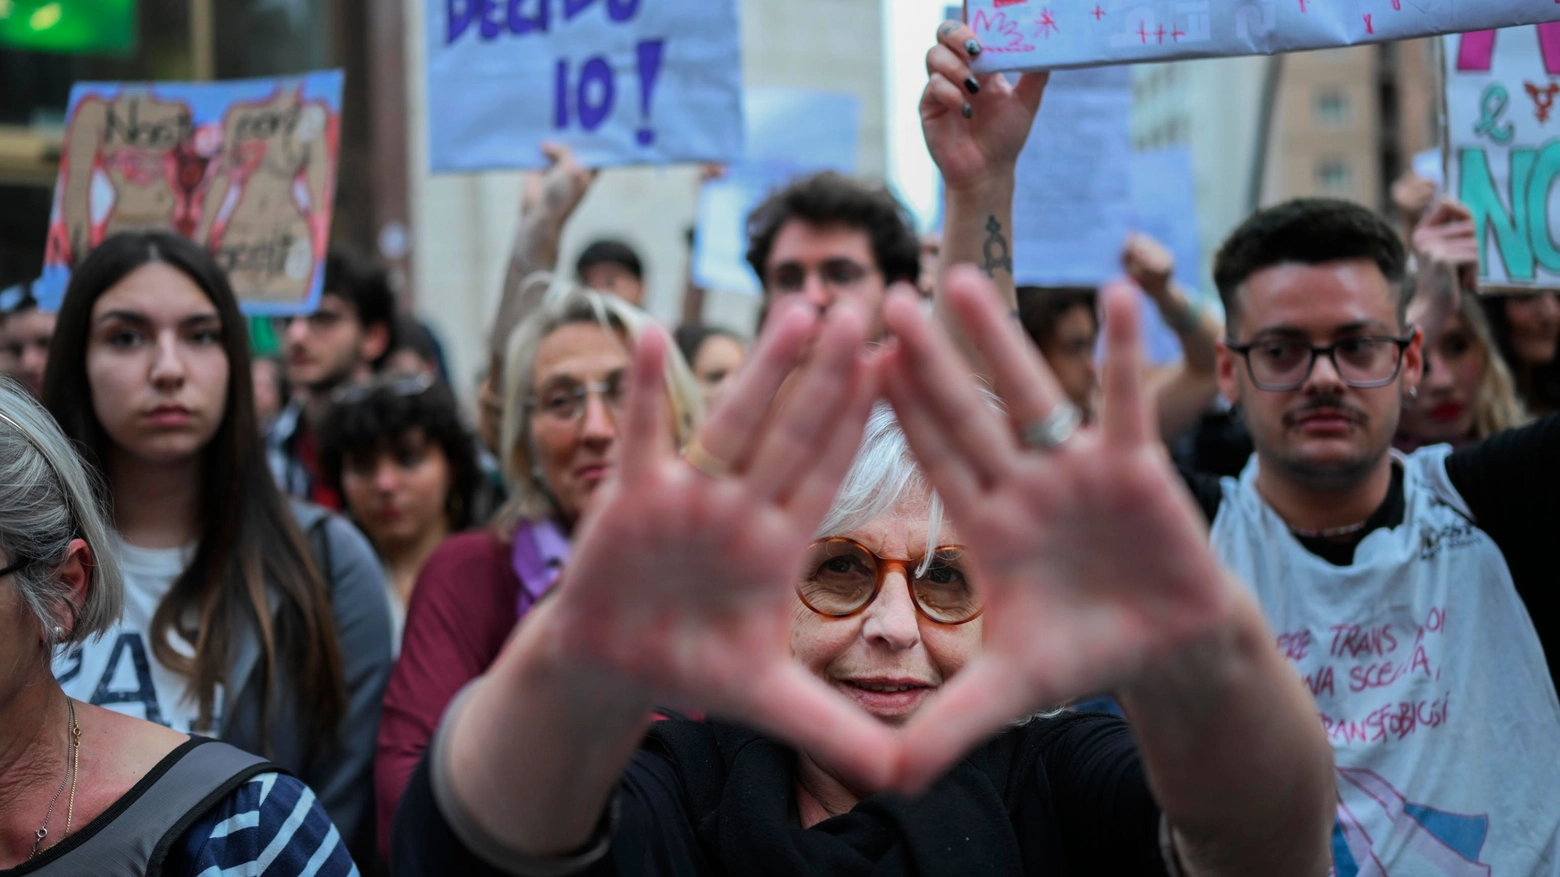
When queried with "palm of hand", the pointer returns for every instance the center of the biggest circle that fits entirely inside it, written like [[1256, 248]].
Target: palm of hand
[[669, 535], [1071, 553]]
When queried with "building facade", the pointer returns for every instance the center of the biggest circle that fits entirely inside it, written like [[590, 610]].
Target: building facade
[[1339, 123]]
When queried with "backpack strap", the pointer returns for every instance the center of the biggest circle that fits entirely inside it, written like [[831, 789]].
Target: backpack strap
[[134, 836]]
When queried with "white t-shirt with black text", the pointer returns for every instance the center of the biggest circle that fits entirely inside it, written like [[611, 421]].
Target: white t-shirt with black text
[[118, 671]]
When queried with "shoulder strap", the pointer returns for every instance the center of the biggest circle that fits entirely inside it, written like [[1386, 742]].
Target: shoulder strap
[[134, 837]]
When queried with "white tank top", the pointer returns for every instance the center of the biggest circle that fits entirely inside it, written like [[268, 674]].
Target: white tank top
[[1430, 679]]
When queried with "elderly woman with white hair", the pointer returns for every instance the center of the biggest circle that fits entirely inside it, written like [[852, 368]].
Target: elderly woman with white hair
[[850, 642], [84, 790]]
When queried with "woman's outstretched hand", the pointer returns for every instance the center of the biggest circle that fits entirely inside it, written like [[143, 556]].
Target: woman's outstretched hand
[[683, 581], [1091, 556]]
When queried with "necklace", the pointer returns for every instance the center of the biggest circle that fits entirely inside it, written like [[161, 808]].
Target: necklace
[[1330, 532], [72, 772]]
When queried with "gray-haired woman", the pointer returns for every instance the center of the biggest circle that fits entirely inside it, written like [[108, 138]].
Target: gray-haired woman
[[83, 789]]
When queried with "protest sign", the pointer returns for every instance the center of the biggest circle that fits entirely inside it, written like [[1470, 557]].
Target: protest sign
[[246, 168], [1504, 150], [1164, 207], [790, 132], [1057, 34], [1072, 203], [618, 81]]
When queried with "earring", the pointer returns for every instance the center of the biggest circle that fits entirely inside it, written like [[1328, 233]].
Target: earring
[[58, 633], [1411, 397]]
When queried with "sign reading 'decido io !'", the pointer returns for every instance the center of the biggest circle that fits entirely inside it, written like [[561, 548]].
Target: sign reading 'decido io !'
[[1503, 131], [1056, 34], [619, 81]]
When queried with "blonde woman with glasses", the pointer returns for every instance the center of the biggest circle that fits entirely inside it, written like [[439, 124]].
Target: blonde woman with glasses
[[567, 374]]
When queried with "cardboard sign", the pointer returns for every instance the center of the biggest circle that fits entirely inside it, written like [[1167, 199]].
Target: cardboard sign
[[1503, 134], [619, 81], [246, 168], [1057, 34], [790, 132]]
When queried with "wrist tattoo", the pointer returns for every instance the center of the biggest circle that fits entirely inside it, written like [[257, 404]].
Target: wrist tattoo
[[996, 251]]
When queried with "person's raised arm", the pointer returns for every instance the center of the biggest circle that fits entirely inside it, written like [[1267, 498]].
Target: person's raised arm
[[1446, 248], [679, 592], [1097, 575], [550, 198], [975, 127], [1182, 394]]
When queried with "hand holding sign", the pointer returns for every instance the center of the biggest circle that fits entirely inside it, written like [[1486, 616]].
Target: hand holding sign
[[975, 127]]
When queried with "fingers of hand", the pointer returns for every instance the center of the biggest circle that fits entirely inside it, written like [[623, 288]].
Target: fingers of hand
[[982, 698], [804, 423], [1030, 88], [1022, 378], [942, 96], [797, 707], [937, 379], [959, 38], [949, 472], [816, 489], [732, 427], [1124, 420], [646, 437]]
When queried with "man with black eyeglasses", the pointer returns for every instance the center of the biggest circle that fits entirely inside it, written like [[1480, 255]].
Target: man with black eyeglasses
[[344, 341], [1405, 589]]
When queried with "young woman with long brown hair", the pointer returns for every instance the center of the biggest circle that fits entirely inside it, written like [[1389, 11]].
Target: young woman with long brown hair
[[237, 625]]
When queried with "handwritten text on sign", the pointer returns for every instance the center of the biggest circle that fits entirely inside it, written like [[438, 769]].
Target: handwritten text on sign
[[1054, 34], [246, 168], [620, 81], [1504, 155]]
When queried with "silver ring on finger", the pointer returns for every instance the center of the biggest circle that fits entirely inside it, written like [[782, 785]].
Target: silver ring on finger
[[1050, 432]]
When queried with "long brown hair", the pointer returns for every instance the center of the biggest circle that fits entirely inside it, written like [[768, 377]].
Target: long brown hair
[[250, 545]]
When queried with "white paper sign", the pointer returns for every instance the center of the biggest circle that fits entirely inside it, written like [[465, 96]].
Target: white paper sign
[[1057, 34], [1503, 127], [619, 81], [1072, 204]]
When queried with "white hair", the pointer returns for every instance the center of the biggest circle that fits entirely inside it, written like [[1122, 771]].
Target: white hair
[[48, 498], [884, 474]]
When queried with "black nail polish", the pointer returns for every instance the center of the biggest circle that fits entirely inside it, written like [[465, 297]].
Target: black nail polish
[[969, 111], [971, 85], [972, 47]]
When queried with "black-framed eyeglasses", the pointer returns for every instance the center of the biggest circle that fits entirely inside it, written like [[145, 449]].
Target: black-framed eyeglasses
[[15, 567], [841, 577], [395, 385], [1362, 361]]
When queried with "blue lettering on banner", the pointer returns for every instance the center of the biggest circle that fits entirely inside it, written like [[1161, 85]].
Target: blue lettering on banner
[[144, 693], [618, 81]]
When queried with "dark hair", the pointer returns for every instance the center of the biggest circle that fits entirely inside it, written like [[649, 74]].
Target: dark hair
[[609, 253], [411, 334], [381, 418], [831, 198], [1041, 308], [250, 546], [691, 336], [1308, 231], [357, 279], [1542, 390]]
